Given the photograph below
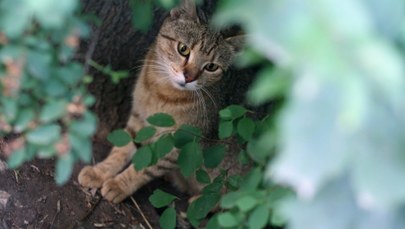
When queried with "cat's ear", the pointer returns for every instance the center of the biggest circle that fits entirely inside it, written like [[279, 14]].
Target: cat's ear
[[237, 42], [186, 8]]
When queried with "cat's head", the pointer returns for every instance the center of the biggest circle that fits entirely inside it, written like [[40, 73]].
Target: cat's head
[[189, 52]]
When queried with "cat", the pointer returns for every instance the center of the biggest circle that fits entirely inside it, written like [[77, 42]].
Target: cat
[[179, 76]]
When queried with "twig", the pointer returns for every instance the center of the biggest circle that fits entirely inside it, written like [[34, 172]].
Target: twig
[[88, 213], [140, 212], [91, 49], [16, 174], [43, 219], [57, 213]]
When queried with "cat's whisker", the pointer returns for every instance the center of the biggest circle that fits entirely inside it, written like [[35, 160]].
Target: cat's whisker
[[164, 71], [155, 66], [207, 92], [145, 62], [203, 106], [195, 105]]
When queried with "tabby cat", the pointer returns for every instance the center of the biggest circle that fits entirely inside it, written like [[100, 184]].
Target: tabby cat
[[178, 77]]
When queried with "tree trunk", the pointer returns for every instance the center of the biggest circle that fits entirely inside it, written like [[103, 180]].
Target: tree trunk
[[117, 43]]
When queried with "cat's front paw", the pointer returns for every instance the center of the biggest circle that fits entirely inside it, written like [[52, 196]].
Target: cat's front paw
[[91, 177], [114, 190]]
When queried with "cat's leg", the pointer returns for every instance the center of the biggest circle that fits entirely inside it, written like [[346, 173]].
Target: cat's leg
[[95, 176], [124, 184]]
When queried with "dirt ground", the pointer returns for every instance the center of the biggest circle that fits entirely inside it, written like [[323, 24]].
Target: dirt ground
[[29, 198]]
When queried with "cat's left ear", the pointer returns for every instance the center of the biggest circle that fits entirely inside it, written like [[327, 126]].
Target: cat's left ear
[[186, 8], [237, 42]]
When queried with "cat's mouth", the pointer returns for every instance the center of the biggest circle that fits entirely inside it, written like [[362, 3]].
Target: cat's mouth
[[185, 86]]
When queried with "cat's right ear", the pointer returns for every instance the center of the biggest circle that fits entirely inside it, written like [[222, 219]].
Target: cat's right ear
[[187, 8]]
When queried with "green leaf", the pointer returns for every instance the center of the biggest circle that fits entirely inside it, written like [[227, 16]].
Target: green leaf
[[233, 182], [225, 114], [81, 147], [161, 199], [215, 186], [252, 180], [225, 129], [190, 158], [161, 120], [237, 111], [85, 126], [70, 74], [64, 168], [270, 83], [10, 108], [278, 193], [228, 200], [52, 13], [163, 145], [142, 158], [250, 57], [200, 208], [277, 220], [44, 135], [259, 217], [14, 25], [24, 118], [38, 64], [202, 176], [243, 158], [245, 128], [227, 220], [260, 149], [214, 155], [119, 138], [46, 151], [16, 159], [116, 76], [232, 112], [246, 203], [167, 4], [52, 111], [54, 88], [213, 223], [145, 134], [186, 134], [168, 219], [142, 11]]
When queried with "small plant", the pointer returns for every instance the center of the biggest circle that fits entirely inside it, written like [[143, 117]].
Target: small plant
[[248, 203]]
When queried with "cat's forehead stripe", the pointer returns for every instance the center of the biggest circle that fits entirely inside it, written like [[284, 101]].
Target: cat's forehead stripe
[[167, 37]]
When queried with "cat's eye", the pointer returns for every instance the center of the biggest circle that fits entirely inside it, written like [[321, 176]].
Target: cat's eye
[[183, 49], [211, 67]]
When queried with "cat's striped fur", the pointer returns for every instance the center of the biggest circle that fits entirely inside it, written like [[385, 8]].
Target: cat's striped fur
[[178, 77]]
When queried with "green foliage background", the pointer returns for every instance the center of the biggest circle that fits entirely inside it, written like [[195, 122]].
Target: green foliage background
[[339, 137], [43, 90], [341, 130]]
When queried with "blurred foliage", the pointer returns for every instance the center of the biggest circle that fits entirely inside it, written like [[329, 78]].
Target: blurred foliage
[[340, 66], [44, 98]]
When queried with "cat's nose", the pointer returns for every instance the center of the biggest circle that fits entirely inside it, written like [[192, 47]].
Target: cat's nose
[[189, 76]]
